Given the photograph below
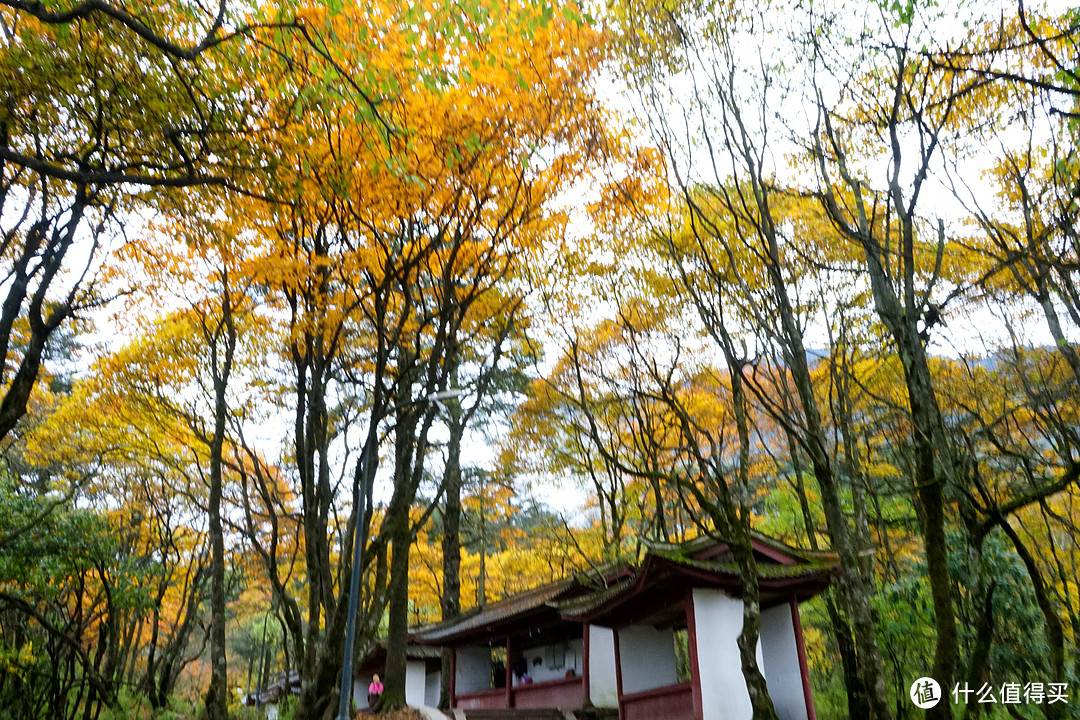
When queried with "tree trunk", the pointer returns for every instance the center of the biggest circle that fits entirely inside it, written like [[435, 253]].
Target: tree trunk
[[742, 548], [398, 617], [1055, 634], [451, 540], [409, 448], [900, 314], [217, 693], [858, 706], [481, 578], [320, 663], [980, 657], [853, 591]]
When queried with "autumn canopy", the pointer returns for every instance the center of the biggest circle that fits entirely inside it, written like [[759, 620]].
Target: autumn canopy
[[575, 279]]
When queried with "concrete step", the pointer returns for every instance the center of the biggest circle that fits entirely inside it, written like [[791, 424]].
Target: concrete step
[[595, 713], [513, 714]]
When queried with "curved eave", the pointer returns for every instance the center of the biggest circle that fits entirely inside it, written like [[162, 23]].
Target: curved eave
[[665, 581], [520, 613], [538, 621]]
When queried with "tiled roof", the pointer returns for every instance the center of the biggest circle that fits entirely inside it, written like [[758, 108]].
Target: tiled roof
[[413, 651], [422, 652], [701, 543], [797, 553], [517, 606], [765, 570], [612, 584], [494, 613], [584, 603], [668, 563]]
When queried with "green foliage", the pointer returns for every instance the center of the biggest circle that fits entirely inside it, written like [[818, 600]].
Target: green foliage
[[287, 708], [46, 542], [1019, 652], [780, 513], [904, 609], [67, 578], [906, 634], [131, 705], [244, 712]]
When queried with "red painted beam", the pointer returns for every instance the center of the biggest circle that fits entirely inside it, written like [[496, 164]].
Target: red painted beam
[[509, 673], [618, 671], [691, 642], [804, 668], [585, 663]]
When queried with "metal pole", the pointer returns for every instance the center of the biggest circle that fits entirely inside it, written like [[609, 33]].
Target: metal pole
[[359, 542]]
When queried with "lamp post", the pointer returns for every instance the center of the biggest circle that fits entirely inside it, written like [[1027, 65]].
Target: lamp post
[[369, 460]]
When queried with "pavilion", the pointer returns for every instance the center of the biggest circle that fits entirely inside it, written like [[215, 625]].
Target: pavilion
[[655, 641]]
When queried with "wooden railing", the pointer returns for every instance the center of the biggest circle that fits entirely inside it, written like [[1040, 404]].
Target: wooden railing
[[562, 693], [481, 700], [671, 702]]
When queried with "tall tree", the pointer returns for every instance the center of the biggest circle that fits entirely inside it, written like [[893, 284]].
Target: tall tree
[[102, 103], [724, 243]]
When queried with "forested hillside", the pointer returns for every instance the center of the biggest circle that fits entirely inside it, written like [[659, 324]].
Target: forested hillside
[[497, 292]]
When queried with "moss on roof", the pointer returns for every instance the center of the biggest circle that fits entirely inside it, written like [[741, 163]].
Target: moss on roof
[[767, 571], [591, 589]]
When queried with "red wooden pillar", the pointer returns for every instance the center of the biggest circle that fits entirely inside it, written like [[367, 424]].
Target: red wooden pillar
[[691, 644], [509, 673], [804, 669], [618, 670], [585, 663]]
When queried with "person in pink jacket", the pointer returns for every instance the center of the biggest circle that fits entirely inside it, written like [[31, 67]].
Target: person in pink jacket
[[374, 690]]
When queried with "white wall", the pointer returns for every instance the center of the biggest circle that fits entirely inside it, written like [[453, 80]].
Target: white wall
[[782, 671], [647, 656], [359, 691], [418, 685], [603, 687], [473, 670], [415, 679], [432, 687], [549, 656], [718, 621]]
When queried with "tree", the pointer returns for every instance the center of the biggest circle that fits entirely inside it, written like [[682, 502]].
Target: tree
[[724, 244], [101, 105], [415, 188]]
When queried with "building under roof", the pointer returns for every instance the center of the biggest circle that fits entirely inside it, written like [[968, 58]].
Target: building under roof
[[653, 640]]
